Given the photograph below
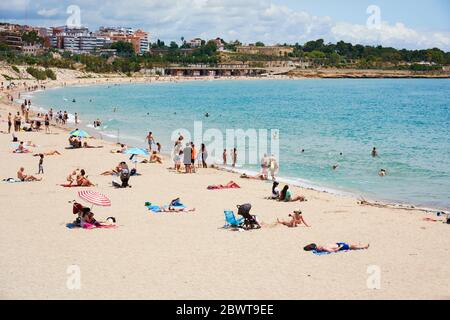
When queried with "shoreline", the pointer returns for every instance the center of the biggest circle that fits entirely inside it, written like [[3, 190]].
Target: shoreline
[[309, 185]]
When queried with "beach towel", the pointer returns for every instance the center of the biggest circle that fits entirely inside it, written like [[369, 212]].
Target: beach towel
[[12, 180], [229, 185], [156, 208], [90, 226], [321, 253], [66, 185]]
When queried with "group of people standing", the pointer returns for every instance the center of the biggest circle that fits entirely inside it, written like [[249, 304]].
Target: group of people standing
[[188, 155]]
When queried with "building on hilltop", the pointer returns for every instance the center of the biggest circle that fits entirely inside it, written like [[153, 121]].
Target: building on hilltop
[[279, 51]]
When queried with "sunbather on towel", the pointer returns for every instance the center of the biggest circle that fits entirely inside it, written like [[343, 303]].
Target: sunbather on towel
[[335, 247], [229, 185], [82, 179], [296, 220], [114, 171], [21, 148], [122, 149], [24, 177], [71, 178], [175, 209], [256, 177]]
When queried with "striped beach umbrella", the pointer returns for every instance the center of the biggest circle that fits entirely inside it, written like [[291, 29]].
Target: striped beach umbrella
[[95, 198]]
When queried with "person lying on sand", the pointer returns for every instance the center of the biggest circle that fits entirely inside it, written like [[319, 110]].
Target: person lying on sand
[[49, 153], [256, 177], [114, 171], [296, 219], [122, 149], [82, 179], [24, 177], [286, 195], [335, 247], [172, 209], [85, 145]]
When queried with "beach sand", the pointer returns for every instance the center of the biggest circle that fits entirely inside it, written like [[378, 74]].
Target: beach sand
[[189, 255]]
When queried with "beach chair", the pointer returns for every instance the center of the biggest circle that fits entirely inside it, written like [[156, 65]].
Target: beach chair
[[231, 221]]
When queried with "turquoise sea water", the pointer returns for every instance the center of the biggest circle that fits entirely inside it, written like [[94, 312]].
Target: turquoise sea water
[[407, 120]]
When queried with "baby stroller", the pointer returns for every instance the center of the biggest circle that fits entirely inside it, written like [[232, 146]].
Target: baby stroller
[[250, 221], [80, 211]]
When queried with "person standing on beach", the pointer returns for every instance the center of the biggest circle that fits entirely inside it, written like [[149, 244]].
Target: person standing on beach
[[150, 140], [41, 164], [27, 114], [50, 113], [204, 156], [65, 117], [193, 157], [374, 152], [273, 167], [234, 156], [47, 123], [187, 158], [224, 155], [9, 122], [76, 118], [264, 165], [17, 122]]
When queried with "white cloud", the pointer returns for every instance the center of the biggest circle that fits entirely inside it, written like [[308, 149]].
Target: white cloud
[[246, 20], [48, 12]]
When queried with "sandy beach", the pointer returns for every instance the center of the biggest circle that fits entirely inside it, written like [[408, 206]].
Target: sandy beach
[[189, 255]]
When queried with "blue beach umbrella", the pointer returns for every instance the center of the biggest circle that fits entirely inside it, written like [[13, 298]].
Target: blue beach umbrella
[[80, 133], [136, 151]]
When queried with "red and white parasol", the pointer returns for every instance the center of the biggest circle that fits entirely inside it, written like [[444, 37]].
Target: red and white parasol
[[95, 198]]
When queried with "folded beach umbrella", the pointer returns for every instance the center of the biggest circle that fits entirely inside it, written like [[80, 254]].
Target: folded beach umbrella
[[94, 198], [80, 133]]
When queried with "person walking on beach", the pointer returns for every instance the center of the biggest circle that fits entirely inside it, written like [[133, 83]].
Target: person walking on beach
[[273, 167], [50, 114], [9, 122], [47, 123], [264, 165], [187, 158], [193, 157], [66, 117], [41, 164], [76, 118], [374, 152], [234, 157], [204, 156], [224, 155], [27, 114], [150, 140]]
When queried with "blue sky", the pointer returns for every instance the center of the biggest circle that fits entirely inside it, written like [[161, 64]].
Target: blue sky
[[402, 24]]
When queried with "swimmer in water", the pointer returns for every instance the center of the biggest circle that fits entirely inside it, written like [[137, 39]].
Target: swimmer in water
[[335, 166], [382, 172], [374, 152], [207, 114]]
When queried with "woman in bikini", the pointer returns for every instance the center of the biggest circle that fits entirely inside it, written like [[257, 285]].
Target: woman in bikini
[[82, 179], [296, 220]]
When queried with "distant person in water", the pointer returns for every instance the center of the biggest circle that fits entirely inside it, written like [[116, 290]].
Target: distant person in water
[[335, 247], [374, 152], [335, 166], [382, 172]]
